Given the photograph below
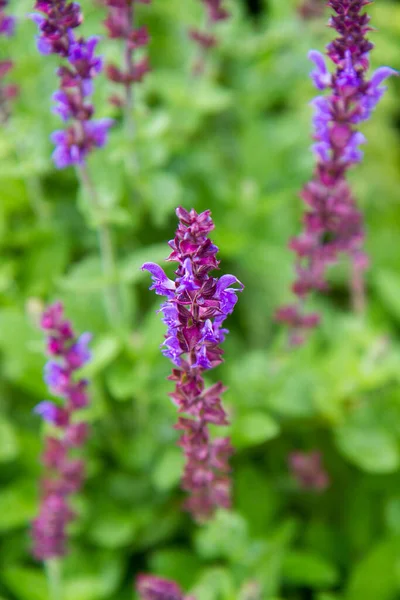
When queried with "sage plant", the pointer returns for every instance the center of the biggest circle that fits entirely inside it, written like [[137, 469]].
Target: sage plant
[[150, 587], [197, 304], [120, 24], [204, 36], [64, 472], [57, 27], [332, 223], [57, 36], [8, 91]]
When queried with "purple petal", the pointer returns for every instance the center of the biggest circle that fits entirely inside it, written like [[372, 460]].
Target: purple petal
[[47, 410], [225, 281], [162, 285], [381, 74]]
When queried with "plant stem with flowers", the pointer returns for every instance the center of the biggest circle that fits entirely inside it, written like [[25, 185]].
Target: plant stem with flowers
[[205, 37], [120, 24], [63, 472], [197, 305], [74, 144], [333, 224], [8, 91]]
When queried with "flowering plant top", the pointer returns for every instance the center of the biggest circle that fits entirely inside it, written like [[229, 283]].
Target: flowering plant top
[[332, 223], [196, 307], [56, 36]]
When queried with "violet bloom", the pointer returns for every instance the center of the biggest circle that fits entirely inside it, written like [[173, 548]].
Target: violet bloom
[[150, 587], [332, 223], [64, 474], [308, 470], [8, 91], [197, 304], [57, 36], [120, 25]]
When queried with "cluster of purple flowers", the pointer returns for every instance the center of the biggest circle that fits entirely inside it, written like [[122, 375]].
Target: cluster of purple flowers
[[120, 25], [7, 91], [332, 223], [150, 587], [56, 36], [64, 473], [308, 470], [197, 305]]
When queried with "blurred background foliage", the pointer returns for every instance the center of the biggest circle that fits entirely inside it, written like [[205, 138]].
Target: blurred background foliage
[[234, 140]]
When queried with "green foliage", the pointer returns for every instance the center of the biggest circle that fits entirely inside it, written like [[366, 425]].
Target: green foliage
[[234, 140]]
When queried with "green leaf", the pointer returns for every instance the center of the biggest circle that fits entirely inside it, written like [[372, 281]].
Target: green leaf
[[168, 470], [8, 441], [225, 536], [376, 575], [26, 584], [301, 568], [17, 505], [253, 429], [373, 449]]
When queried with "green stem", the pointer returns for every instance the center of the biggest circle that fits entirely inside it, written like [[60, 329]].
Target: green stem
[[110, 272], [54, 578]]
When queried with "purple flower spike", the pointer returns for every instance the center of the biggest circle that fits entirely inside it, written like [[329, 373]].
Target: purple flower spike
[[215, 12], [197, 304], [120, 25], [8, 92], [333, 224], [64, 475], [57, 36]]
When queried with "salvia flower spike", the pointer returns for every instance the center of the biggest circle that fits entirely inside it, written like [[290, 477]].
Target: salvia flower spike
[[63, 472], [205, 37], [195, 309], [57, 27], [8, 91], [150, 587], [120, 24], [332, 223]]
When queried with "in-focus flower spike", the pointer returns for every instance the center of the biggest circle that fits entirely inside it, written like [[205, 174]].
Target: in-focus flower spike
[[57, 27], [8, 91], [205, 38], [196, 306], [120, 24], [64, 474], [150, 587], [332, 223]]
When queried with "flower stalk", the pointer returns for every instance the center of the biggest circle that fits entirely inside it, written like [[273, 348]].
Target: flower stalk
[[197, 305], [67, 433], [333, 225]]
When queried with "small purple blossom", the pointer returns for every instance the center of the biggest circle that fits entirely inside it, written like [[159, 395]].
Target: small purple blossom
[[197, 304], [332, 223], [308, 470], [64, 475], [57, 36], [150, 587]]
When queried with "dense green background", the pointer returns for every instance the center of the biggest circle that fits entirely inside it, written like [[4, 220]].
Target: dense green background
[[235, 141]]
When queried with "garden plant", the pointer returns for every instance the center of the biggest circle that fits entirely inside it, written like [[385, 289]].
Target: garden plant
[[233, 432]]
